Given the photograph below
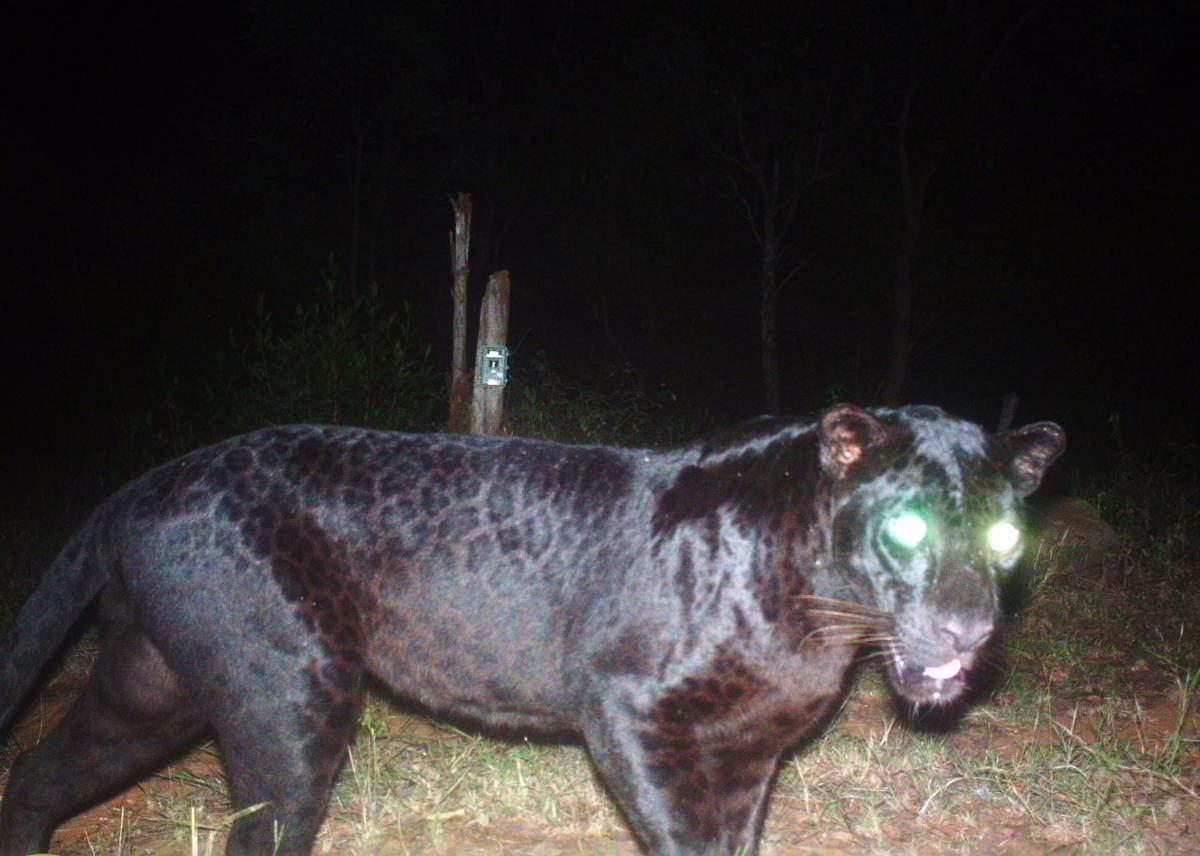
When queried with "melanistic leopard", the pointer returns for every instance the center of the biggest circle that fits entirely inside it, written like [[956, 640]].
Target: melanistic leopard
[[690, 613]]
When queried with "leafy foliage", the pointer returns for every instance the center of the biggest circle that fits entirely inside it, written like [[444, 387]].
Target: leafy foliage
[[1153, 500], [338, 358], [614, 409]]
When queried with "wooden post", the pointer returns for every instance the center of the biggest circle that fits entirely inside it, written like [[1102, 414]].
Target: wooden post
[[460, 254], [487, 403]]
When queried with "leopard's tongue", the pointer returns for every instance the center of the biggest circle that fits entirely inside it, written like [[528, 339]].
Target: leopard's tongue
[[944, 671]]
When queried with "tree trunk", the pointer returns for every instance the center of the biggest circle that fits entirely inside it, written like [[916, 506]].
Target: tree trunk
[[770, 287], [893, 383], [913, 193], [769, 310], [487, 402], [460, 377]]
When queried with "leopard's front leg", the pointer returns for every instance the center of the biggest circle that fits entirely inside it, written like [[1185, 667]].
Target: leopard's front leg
[[687, 786]]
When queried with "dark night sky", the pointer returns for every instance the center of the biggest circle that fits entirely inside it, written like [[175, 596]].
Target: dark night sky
[[164, 167]]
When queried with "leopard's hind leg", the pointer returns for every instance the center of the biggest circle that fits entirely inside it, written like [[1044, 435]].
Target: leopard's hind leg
[[283, 750], [131, 717]]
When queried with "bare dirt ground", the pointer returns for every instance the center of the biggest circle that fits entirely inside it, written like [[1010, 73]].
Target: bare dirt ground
[[1088, 746], [990, 822]]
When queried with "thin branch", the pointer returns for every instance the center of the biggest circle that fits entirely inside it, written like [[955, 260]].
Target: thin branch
[[984, 75]]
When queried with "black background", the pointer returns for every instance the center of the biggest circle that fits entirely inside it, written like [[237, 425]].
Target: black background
[[165, 165]]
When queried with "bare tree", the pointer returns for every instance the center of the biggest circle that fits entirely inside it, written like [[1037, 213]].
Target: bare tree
[[945, 50], [764, 112], [770, 185]]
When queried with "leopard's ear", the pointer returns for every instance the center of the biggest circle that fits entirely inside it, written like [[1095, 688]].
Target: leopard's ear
[[1034, 448], [847, 434]]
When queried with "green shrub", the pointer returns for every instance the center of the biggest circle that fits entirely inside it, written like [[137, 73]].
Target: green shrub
[[1153, 501], [341, 360], [613, 409], [336, 359]]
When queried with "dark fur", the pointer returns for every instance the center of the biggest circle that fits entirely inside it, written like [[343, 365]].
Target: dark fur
[[691, 613]]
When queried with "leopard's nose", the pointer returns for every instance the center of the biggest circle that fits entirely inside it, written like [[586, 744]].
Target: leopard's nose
[[967, 635]]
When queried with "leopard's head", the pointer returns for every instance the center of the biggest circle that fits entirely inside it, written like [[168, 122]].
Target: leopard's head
[[926, 520]]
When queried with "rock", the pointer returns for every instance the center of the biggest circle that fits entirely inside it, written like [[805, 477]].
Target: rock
[[1072, 528]]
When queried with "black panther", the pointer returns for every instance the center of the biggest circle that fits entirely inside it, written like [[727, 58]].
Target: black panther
[[690, 613]]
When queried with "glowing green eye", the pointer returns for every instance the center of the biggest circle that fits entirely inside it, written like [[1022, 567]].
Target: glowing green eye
[[1003, 536], [907, 529]]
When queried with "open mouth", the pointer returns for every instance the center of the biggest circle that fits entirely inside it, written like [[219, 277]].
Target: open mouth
[[944, 672], [940, 683]]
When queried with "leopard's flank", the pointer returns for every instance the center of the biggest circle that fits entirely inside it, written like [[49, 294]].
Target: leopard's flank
[[690, 613]]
